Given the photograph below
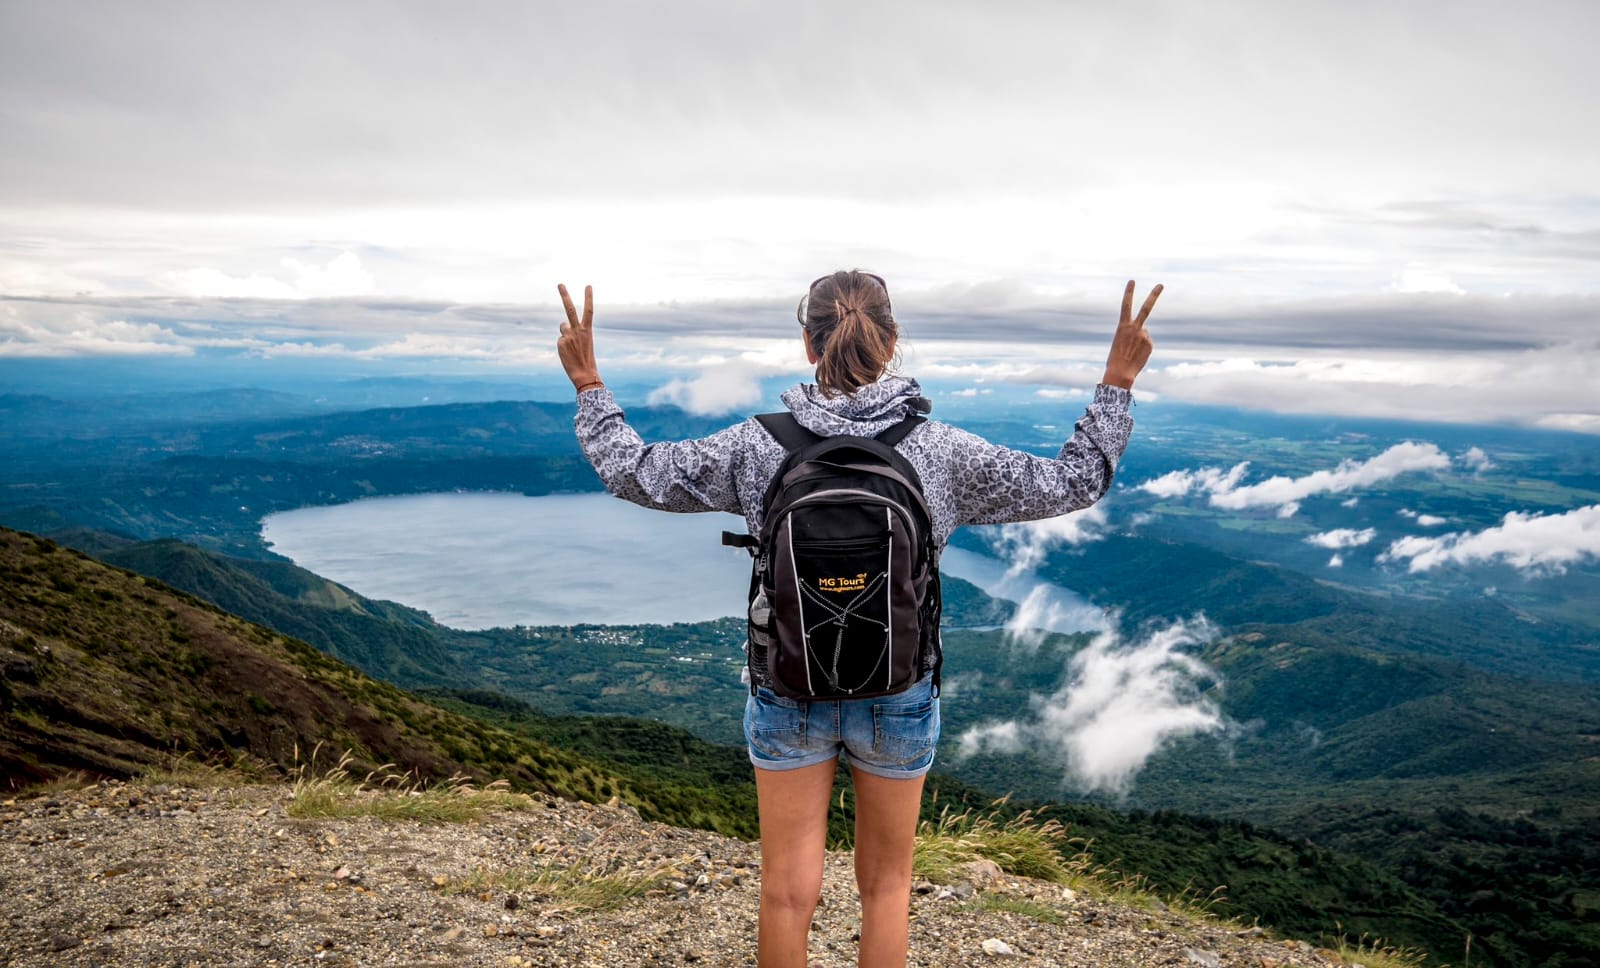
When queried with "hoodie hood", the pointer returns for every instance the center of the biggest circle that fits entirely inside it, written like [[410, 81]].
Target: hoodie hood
[[868, 412]]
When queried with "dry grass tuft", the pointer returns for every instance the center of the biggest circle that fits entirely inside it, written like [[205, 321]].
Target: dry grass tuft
[[1376, 953], [387, 794], [595, 883], [1024, 846]]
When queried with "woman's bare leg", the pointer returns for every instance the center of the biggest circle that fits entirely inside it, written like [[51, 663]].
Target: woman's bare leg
[[794, 834], [886, 829]]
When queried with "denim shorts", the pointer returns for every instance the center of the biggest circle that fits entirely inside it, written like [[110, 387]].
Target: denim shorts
[[887, 736]]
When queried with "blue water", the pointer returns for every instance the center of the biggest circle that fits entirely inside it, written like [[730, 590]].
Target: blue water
[[493, 560]]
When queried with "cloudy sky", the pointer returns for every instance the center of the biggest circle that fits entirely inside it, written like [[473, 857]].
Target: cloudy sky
[[1369, 208]]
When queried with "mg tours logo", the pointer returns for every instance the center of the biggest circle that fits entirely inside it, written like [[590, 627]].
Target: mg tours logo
[[840, 585]]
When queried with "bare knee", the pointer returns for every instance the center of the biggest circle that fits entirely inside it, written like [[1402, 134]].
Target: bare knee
[[876, 883], [791, 897]]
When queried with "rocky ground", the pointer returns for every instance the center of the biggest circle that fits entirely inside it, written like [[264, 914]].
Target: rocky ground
[[151, 874]]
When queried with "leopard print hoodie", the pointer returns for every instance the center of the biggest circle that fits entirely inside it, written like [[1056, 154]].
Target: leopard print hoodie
[[965, 479]]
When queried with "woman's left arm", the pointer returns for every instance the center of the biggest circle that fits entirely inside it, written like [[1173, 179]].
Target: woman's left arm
[[679, 475], [684, 475]]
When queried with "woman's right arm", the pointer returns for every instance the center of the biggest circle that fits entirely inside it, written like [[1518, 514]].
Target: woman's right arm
[[995, 484]]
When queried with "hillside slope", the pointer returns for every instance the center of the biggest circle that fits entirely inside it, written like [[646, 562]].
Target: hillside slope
[[108, 673]]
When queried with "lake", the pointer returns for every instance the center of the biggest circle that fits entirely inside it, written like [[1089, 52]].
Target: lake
[[478, 561]]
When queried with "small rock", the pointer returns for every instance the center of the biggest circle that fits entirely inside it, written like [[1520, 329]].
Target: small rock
[[983, 871], [1205, 959], [512, 902], [453, 934], [546, 931], [439, 880], [997, 948], [62, 942], [490, 931]]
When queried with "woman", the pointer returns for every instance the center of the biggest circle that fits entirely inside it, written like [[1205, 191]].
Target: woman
[[849, 334]]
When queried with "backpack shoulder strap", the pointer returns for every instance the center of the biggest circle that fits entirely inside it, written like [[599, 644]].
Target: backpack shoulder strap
[[787, 431], [898, 432]]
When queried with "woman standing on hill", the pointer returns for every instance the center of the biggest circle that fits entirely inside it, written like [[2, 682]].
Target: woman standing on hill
[[849, 333]]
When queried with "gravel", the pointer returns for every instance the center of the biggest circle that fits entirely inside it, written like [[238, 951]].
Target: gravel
[[148, 874]]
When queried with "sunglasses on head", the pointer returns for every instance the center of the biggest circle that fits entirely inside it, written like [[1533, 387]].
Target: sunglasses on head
[[800, 310]]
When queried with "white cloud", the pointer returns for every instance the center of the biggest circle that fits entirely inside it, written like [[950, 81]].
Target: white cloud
[[1350, 502], [1286, 493], [1547, 385], [1044, 609], [1538, 543], [208, 283], [1583, 423], [1404, 458], [1420, 279], [341, 276], [1206, 480], [1003, 737], [1343, 538], [1476, 460], [723, 386], [1120, 703], [82, 334], [1336, 561], [1025, 544], [1426, 520]]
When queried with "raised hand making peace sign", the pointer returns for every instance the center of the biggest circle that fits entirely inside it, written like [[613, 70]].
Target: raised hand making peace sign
[[575, 346], [1131, 346]]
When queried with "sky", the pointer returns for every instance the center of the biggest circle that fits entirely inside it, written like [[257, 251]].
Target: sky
[[1363, 208]]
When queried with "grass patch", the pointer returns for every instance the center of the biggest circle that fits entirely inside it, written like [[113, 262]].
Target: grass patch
[[985, 903], [186, 771], [1023, 845], [599, 885], [65, 783], [388, 794], [1375, 953]]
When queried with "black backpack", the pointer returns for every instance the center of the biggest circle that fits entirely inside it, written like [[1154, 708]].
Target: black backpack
[[844, 591]]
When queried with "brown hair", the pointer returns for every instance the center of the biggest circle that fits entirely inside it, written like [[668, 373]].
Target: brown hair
[[852, 329]]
